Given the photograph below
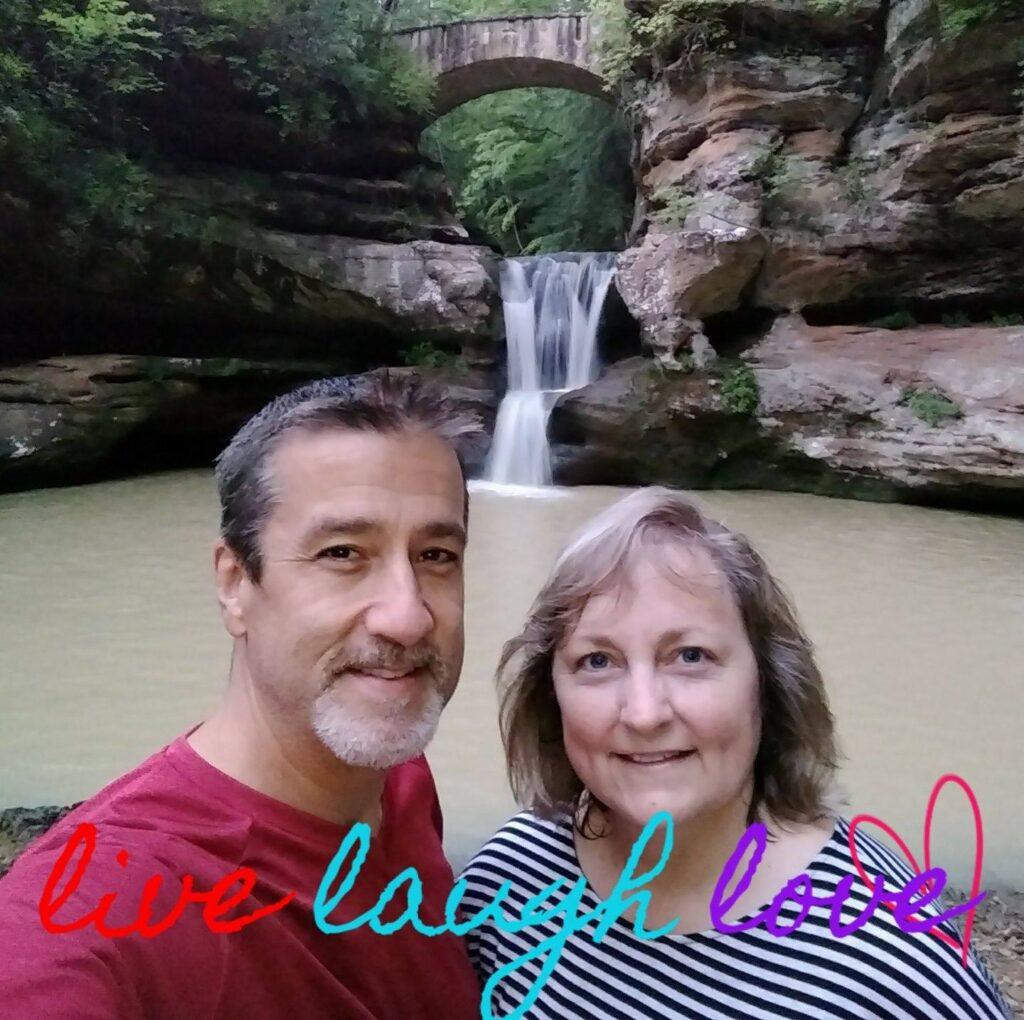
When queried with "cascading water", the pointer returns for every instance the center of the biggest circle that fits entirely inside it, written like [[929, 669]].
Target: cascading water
[[552, 306]]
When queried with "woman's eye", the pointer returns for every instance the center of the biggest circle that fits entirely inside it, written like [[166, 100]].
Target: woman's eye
[[691, 655], [595, 660]]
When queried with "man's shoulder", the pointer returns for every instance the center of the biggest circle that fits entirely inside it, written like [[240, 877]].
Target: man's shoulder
[[153, 813]]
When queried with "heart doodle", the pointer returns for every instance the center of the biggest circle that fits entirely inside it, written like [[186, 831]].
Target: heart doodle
[[979, 850]]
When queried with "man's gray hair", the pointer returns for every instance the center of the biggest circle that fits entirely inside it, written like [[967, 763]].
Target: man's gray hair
[[379, 401]]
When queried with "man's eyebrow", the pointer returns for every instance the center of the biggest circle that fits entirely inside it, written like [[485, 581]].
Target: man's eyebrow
[[365, 525], [342, 525], [444, 529]]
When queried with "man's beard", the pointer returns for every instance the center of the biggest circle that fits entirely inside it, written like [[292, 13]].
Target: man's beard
[[381, 734]]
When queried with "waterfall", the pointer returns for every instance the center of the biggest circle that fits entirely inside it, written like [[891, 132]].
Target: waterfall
[[552, 306]]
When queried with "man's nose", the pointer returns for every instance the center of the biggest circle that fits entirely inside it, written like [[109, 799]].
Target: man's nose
[[645, 706], [399, 613]]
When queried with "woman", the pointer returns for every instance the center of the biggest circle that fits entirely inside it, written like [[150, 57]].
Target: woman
[[662, 670]]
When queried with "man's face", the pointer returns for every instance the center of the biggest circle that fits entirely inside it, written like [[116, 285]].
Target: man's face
[[355, 629]]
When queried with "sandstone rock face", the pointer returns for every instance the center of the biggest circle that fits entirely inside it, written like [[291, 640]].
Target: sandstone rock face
[[260, 279], [19, 826], [839, 413], [850, 397], [69, 420], [879, 155], [424, 286], [407, 206], [763, 91], [75, 419], [421, 288], [673, 280]]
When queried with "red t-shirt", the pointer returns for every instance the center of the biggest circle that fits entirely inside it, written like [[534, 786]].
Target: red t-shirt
[[176, 814]]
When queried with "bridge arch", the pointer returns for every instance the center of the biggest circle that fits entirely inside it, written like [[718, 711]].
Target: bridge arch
[[475, 58]]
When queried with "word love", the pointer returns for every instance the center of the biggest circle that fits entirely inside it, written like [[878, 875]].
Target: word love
[[921, 891], [216, 902]]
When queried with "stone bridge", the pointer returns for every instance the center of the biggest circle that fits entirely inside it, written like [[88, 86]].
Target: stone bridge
[[474, 58]]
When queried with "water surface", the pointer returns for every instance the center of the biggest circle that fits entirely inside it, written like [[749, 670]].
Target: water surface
[[111, 645]]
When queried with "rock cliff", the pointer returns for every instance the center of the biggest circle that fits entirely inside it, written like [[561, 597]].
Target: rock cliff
[[842, 166], [927, 415], [264, 259], [823, 266], [826, 163]]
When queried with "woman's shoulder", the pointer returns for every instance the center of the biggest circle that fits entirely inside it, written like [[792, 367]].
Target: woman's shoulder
[[854, 850], [854, 854], [528, 850]]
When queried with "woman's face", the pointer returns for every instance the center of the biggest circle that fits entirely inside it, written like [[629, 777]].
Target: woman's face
[[658, 690]]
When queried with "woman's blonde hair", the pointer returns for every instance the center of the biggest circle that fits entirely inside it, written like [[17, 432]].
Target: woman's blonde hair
[[797, 755]]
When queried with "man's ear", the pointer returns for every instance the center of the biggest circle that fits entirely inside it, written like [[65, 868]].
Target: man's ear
[[230, 576]]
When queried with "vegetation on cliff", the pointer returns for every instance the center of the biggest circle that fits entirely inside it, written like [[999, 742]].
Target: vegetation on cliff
[[75, 77]]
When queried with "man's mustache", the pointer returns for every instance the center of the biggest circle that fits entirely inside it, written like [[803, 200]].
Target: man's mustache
[[389, 658]]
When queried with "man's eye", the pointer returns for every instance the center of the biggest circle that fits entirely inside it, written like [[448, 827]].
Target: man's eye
[[692, 655], [594, 660], [346, 553], [440, 556]]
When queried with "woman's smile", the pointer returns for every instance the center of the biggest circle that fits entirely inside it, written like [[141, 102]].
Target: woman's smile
[[651, 759]]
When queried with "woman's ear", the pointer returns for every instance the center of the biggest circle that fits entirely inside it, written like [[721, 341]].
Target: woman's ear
[[229, 575]]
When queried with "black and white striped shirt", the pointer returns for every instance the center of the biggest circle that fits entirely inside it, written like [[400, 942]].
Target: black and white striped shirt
[[878, 973]]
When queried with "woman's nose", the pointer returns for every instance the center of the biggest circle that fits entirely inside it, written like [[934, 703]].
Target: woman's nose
[[399, 613], [645, 705]]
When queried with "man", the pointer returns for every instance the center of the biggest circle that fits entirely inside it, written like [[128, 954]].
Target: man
[[339, 577]]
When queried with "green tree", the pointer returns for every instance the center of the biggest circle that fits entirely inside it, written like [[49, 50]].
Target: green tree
[[538, 170]]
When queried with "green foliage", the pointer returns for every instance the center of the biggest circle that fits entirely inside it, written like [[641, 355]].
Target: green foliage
[[738, 386], [1011, 319], [73, 74], [774, 170], [309, 62], [830, 6], [853, 180], [67, 82], [538, 170], [424, 354], [962, 318], [106, 43], [956, 319], [957, 16], [901, 319], [932, 406], [674, 29], [673, 204]]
